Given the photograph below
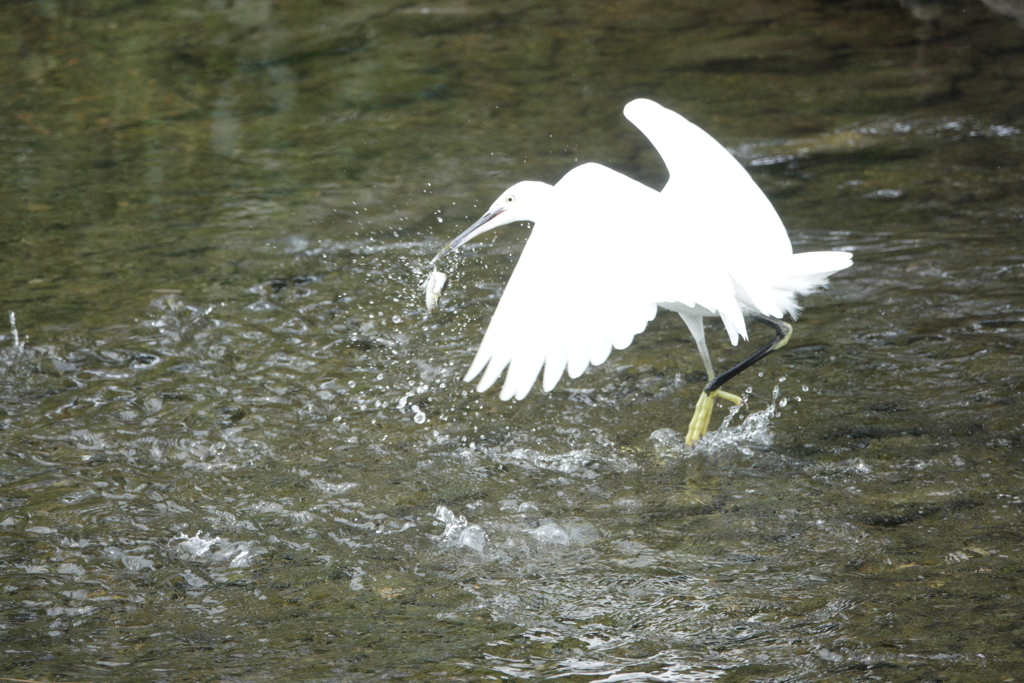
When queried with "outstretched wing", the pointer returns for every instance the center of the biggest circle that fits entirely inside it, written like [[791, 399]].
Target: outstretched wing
[[567, 302], [589, 280], [738, 224], [713, 188]]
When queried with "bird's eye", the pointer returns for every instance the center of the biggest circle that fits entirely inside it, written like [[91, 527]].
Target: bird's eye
[[510, 199]]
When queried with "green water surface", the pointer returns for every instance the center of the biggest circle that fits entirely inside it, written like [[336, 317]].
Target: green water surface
[[234, 447]]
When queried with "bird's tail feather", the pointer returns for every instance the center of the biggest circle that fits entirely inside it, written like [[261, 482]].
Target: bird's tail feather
[[768, 293], [809, 272]]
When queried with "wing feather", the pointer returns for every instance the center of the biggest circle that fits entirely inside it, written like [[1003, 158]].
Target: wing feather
[[732, 223], [578, 360], [522, 372], [568, 301], [711, 186], [554, 366]]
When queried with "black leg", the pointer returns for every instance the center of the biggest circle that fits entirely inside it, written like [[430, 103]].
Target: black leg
[[783, 331]]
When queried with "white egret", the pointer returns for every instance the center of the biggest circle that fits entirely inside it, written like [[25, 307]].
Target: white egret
[[606, 251]]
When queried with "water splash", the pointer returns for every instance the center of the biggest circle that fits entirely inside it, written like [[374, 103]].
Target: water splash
[[458, 531], [754, 432], [18, 345]]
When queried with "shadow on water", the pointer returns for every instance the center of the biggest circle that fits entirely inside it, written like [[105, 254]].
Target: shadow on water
[[235, 447]]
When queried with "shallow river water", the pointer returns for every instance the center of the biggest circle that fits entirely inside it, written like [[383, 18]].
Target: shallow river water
[[234, 446]]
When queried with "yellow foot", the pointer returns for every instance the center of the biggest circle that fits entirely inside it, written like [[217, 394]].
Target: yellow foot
[[702, 414]]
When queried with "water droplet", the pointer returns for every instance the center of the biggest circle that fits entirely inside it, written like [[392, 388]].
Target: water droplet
[[804, 388]]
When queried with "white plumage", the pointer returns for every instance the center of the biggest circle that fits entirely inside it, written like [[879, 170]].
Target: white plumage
[[606, 251]]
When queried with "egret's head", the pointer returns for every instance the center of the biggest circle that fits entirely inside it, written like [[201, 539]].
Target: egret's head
[[521, 202]]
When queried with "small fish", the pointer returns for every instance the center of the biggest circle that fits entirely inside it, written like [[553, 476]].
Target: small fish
[[433, 287]]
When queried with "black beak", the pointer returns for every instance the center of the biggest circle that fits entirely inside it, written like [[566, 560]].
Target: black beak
[[469, 233]]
